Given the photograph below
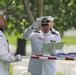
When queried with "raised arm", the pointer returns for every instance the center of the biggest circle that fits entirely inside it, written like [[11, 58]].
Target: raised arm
[[27, 34]]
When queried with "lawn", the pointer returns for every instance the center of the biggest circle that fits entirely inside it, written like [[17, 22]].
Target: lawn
[[68, 40], [10, 72], [59, 73], [11, 39]]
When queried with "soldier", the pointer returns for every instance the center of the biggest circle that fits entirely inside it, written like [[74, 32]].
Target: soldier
[[5, 56], [45, 35]]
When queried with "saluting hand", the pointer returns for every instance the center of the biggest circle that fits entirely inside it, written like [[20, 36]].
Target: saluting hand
[[36, 24]]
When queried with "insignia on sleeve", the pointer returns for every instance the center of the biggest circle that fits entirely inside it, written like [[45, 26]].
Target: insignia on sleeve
[[54, 32], [36, 31]]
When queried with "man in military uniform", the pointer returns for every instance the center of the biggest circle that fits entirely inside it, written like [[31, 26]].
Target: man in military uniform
[[5, 56], [45, 35]]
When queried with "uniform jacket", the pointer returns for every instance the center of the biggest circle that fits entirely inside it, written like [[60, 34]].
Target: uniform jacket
[[5, 56], [37, 66]]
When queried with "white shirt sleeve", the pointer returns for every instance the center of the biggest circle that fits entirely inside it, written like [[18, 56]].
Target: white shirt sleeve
[[27, 35], [4, 54]]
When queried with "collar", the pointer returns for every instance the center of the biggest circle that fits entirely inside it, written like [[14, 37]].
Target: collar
[[49, 33]]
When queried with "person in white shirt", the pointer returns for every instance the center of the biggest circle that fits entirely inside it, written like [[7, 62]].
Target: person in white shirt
[[45, 35], [5, 56]]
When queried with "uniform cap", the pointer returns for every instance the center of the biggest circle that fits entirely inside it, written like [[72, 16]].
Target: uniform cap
[[48, 18], [45, 21]]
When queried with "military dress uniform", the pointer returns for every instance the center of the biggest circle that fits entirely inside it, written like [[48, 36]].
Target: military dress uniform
[[5, 56], [38, 66]]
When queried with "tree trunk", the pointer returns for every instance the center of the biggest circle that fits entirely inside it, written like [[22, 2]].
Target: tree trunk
[[28, 11], [40, 7], [21, 44], [62, 34]]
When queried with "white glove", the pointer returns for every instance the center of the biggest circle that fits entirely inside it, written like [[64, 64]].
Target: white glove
[[36, 24], [18, 57]]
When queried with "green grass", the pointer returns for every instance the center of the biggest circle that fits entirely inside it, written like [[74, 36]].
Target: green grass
[[59, 73], [68, 40], [11, 39], [10, 72]]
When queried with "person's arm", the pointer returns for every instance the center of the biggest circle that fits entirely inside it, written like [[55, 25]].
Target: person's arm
[[5, 55], [27, 35]]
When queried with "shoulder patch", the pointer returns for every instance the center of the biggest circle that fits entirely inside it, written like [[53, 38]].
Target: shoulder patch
[[37, 31], [55, 32]]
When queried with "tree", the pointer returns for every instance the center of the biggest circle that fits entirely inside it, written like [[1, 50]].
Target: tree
[[40, 7], [28, 10], [21, 13], [16, 21], [63, 11]]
